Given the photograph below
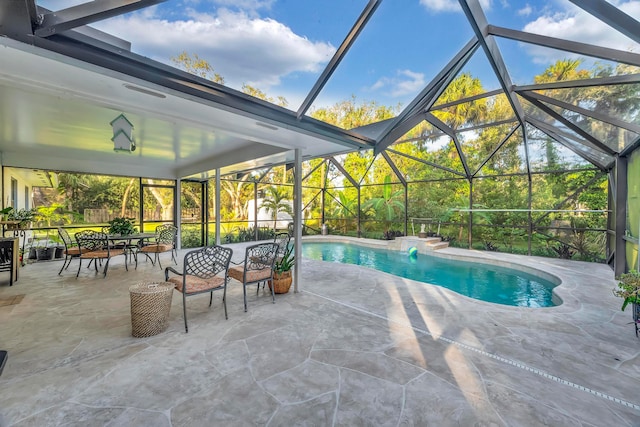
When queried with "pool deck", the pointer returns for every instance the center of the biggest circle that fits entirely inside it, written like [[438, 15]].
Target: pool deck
[[355, 347]]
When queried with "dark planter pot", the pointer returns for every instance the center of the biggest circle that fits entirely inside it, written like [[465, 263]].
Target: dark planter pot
[[636, 316], [32, 253], [45, 254], [59, 252]]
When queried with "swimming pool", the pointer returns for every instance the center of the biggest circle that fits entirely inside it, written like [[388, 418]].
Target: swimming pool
[[485, 282]]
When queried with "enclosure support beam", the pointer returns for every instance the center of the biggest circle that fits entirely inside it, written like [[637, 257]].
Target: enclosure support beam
[[359, 216], [297, 220], [611, 15], [364, 17], [611, 204], [469, 232], [217, 206], [620, 259], [530, 218]]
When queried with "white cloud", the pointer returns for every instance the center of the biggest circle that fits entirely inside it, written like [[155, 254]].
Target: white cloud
[[526, 10], [449, 5], [581, 27], [243, 49], [405, 82]]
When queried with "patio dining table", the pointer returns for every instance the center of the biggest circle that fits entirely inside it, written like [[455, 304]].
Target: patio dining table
[[130, 248], [139, 238]]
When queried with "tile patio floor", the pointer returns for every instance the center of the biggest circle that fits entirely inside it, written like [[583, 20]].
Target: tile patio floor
[[356, 348]]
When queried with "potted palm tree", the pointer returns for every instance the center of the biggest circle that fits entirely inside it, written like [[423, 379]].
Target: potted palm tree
[[282, 278], [629, 289]]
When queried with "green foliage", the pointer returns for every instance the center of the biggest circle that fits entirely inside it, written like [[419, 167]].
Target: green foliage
[[54, 214], [387, 207], [190, 237], [287, 261], [628, 288], [350, 114], [123, 226], [242, 234], [197, 66], [22, 215], [564, 251]]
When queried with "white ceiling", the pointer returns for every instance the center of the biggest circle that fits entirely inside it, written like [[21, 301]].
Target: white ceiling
[[55, 113]]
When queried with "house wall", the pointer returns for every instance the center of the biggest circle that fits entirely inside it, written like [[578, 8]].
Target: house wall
[[24, 199]]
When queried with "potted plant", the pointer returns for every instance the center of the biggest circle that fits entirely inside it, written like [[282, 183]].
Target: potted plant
[[4, 213], [282, 272], [122, 226], [629, 290], [24, 217]]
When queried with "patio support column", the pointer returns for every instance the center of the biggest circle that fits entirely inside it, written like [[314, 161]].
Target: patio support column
[[256, 209], [178, 212], [323, 183], [217, 202], [620, 259], [297, 221]]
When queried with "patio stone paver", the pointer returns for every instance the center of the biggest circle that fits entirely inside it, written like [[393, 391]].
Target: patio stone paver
[[356, 347]]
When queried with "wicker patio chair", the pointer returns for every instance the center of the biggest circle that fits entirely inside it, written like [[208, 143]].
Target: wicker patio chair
[[257, 267], [95, 247], [71, 250], [165, 241], [204, 270]]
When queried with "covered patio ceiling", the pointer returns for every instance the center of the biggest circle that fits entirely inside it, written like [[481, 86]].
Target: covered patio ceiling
[[57, 100]]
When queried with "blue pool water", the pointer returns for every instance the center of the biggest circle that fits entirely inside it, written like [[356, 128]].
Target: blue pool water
[[480, 281]]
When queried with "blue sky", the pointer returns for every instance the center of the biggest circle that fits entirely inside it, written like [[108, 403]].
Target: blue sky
[[282, 46]]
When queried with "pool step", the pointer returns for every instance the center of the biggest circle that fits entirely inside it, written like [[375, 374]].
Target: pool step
[[437, 245], [424, 244]]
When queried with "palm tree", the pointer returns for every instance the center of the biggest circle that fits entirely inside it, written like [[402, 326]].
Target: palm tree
[[347, 207], [275, 203], [385, 207]]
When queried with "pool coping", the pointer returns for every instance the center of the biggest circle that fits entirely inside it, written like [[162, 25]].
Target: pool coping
[[552, 269]]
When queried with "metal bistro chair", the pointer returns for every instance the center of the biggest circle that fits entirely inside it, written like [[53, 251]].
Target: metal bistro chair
[[282, 240], [205, 270], [6, 259], [95, 247], [165, 242], [70, 249], [257, 267]]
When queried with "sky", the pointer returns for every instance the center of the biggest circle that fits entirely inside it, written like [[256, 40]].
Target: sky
[[282, 46]]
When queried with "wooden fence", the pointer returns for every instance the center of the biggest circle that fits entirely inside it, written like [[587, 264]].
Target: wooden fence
[[100, 216]]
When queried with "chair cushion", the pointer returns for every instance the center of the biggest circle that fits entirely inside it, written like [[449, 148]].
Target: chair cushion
[[197, 284], [252, 275], [103, 253], [161, 247]]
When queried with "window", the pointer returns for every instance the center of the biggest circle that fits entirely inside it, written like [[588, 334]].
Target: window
[[26, 197], [14, 193]]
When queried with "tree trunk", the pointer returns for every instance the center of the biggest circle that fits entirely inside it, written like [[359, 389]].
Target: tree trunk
[[125, 197]]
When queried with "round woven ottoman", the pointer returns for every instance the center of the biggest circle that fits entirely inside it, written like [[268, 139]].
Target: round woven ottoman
[[150, 307]]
